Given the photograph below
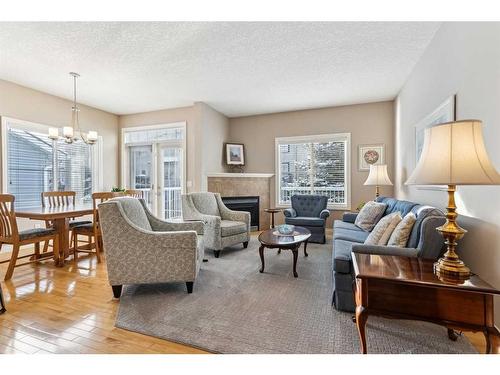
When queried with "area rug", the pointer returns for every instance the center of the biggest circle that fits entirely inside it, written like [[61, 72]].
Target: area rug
[[236, 309]]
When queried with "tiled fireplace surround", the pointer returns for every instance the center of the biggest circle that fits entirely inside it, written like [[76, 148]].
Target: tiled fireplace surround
[[244, 184]]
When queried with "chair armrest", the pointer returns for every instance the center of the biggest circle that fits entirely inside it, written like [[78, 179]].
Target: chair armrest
[[136, 255], [385, 250], [324, 214], [290, 212], [174, 226], [160, 225], [349, 217], [232, 215]]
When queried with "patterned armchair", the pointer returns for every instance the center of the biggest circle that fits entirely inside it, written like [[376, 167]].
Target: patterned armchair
[[309, 211], [223, 227], [141, 248]]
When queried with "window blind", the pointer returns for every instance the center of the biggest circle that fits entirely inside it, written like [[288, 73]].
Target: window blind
[[32, 167], [313, 167]]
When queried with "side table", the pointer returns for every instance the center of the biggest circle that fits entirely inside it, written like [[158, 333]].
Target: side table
[[407, 288], [272, 211]]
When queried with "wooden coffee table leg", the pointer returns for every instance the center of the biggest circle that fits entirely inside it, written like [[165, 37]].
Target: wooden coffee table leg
[[295, 252], [261, 253], [305, 248]]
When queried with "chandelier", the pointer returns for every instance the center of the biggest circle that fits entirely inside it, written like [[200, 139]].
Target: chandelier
[[70, 133]]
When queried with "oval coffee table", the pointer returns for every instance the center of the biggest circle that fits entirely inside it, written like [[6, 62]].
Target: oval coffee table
[[272, 240]]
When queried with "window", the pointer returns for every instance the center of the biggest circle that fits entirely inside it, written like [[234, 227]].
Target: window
[[314, 165], [33, 163], [154, 162]]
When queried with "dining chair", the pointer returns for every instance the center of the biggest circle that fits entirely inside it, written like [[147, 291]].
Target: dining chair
[[10, 234], [134, 193], [60, 199], [92, 230]]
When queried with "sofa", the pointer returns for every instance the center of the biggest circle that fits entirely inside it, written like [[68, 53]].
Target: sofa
[[142, 249], [223, 227], [309, 211], [424, 242]]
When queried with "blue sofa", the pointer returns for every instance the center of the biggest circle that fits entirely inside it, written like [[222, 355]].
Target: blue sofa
[[309, 211], [424, 242]]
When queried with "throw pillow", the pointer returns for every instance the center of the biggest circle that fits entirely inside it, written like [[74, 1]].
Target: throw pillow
[[401, 233], [369, 215], [384, 225]]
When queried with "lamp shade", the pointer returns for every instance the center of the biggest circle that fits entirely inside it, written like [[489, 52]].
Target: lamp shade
[[454, 154], [378, 176]]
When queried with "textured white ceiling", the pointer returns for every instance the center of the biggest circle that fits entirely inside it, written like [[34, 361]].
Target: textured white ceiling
[[239, 68]]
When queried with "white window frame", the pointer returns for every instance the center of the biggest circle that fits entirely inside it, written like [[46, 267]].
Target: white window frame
[[335, 137], [125, 162], [124, 159], [9, 122]]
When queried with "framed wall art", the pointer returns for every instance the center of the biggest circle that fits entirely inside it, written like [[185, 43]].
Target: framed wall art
[[235, 154], [370, 154]]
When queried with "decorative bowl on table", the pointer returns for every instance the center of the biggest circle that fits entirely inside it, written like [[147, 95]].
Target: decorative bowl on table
[[286, 229]]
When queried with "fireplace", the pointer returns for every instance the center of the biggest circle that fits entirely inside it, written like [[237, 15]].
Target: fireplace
[[248, 204]]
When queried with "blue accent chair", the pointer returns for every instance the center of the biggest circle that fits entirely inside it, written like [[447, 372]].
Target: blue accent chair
[[309, 211]]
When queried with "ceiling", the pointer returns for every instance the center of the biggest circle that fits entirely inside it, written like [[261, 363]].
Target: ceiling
[[238, 68]]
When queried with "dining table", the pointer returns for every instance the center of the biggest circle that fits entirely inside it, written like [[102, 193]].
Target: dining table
[[60, 216]]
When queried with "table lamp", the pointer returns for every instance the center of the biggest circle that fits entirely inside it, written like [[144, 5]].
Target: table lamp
[[378, 177], [453, 154]]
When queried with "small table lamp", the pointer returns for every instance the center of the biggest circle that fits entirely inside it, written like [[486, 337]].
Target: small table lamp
[[453, 154], [378, 177]]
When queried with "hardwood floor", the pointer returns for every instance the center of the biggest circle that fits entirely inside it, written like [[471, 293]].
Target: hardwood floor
[[68, 310], [72, 310]]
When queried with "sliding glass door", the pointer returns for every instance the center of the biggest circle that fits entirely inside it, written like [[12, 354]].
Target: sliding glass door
[[155, 163]]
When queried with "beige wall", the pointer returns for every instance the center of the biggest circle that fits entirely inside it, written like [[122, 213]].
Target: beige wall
[[367, 123], [215, 132], [23, 103], [462, 59]]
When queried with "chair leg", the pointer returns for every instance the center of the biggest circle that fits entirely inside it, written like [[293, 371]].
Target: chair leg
[[117, 290], [57, 254], [74, 236], [12, 264], [189, 286], [45, 246], [216, 253], [97, 249], [245, 244], [37, 251]]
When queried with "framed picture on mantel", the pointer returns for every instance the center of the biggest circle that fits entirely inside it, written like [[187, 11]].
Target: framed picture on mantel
[[235, 154]]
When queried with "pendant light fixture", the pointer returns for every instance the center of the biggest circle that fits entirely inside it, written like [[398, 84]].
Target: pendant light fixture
[[70, 133]]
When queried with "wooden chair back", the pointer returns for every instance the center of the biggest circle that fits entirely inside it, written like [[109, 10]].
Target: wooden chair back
[[58, 198], [134, 193], [8, 223], [100, 197]]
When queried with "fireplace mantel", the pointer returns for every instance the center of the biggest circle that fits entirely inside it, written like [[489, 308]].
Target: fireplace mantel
[[248, 175]]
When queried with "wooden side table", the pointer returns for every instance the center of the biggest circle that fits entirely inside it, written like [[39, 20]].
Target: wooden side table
[[407, 288], [272, 211]]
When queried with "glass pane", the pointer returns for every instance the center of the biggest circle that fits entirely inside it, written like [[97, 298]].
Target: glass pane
[[140, 158], [328, 170], [295, 162], [74, 162], [172, 181], [29, 163], [313, 168], [154, 135]]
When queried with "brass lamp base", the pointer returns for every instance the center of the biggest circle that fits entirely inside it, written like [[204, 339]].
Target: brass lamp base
[[450, 267]]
